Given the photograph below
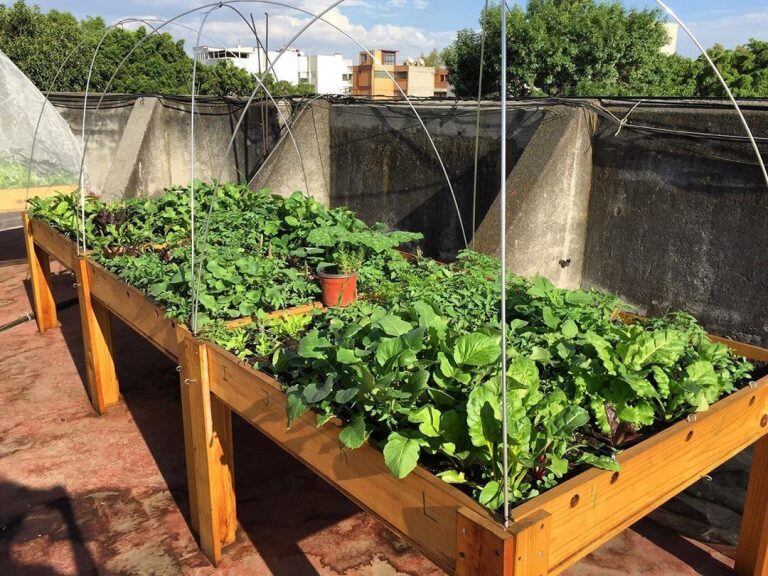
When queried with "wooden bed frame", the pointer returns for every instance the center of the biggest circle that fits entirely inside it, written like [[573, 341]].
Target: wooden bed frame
[[547, 534]]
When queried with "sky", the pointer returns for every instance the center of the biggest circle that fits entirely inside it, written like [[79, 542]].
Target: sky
[[410, 26]]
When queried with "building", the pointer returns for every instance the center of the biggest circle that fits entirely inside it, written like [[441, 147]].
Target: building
[[329, 74], [670, 47], [381, 76]]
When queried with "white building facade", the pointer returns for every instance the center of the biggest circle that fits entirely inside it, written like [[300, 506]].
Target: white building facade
[[328, 74]]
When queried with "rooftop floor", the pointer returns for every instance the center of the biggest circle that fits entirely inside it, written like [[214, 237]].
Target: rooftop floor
[[83, 494]]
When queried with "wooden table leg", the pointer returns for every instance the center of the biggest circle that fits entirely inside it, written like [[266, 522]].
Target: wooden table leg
[[208, 447], [752, 551], [483, 548], [40, 277], [101, 375]]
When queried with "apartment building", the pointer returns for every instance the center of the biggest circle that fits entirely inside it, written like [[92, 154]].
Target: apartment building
[[329, 74], [378, 75]]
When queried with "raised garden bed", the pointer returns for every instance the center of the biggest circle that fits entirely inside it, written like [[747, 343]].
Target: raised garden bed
[[549, 532]]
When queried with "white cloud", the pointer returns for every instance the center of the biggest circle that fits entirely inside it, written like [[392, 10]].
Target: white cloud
[[726, 30], [225, 27]]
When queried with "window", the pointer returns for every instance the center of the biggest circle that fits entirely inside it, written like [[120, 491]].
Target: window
[[401, 75], [380, 74], [388, 58], [363, 58]]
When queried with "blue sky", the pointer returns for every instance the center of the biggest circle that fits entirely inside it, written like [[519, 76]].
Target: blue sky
[[412, 26]]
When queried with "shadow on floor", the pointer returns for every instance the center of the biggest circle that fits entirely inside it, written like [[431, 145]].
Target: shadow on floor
[[279, 501], [28, 513], [683, 549]]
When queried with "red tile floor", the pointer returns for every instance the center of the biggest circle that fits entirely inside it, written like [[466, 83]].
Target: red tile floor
[[83, 494]]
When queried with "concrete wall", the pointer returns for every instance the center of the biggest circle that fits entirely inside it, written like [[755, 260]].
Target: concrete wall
[[679, 223], [139, 146], [384, 167], [302, 159], [547, 201]]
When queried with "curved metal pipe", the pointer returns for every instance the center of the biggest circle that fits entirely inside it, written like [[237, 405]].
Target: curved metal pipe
[[193, 319], [315, 18], [677, 19]]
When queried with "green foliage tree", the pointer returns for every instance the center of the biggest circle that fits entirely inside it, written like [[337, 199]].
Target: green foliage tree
[[744, 68], [39, 43], [434, 58], [560, 48]]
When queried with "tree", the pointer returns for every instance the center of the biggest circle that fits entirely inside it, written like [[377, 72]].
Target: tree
[[434, 59], [744, 68], [563, 48], [41, 43], [225, 79]]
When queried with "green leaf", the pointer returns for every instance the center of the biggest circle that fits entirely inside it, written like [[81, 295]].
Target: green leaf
[[428, 419], [346, 356], [393, 325], [389, 349], [484, 415], [346, 396], [661, 347], [311, 345], [569, 329], [354, 434], [602, 462], [313, 393], [568, 420], [295, 406], [452, 477], [476, 349], [401, 454], [541, 355], [641, 386], [492, 495], [549, 318], [524, 373]]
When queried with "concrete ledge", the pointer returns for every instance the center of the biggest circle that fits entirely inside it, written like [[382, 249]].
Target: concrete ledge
[[547, 201]]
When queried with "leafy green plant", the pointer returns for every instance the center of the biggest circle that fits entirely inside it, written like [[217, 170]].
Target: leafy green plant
[[420, 378], [413, 366]]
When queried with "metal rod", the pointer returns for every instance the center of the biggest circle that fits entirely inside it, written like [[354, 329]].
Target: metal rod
[[503, 242], [669, 11], [477, 122], [193, 319]]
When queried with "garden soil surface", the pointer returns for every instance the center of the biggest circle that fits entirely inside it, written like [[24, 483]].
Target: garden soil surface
[[83, 494]]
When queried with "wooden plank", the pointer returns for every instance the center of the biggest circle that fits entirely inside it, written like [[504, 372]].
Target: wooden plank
[[133, 307], [295, 311], [594, 506], [485, 548], [421, 507], [752, 551], [40, 278], [15, 199], [209, 434], [55, 243], [749, 351], [101, 376]]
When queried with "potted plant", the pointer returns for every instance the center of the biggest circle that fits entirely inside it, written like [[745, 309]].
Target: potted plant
[[338, 279]]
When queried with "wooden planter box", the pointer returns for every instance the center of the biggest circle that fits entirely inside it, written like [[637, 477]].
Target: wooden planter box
[[548, 533], [101, 294]]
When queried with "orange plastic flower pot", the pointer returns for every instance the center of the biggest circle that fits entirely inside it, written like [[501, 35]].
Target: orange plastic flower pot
[[338, 289]]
